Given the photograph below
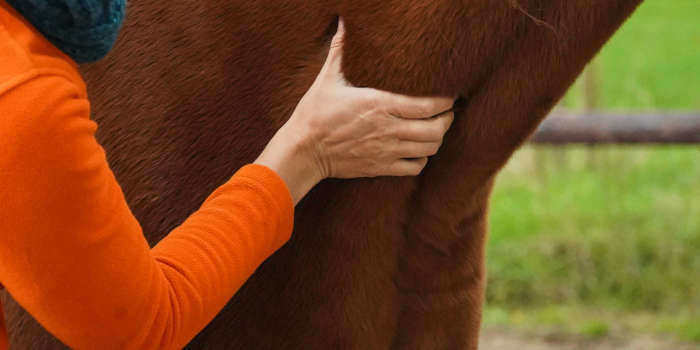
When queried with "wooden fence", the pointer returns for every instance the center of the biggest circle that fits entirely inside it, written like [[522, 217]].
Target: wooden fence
[[619, 129]]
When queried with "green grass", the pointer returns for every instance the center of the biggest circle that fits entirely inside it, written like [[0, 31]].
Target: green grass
[[616, 228], [623, 231], [566, 320], [599, 241], [652, 62]]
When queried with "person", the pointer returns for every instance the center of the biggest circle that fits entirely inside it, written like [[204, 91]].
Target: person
[[71, 252]]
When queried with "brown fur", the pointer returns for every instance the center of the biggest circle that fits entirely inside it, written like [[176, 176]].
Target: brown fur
[[195, 89]]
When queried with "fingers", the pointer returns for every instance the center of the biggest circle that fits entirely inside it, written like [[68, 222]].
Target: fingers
[[406, 167], [424, 130], [413, 107], [409, 149]]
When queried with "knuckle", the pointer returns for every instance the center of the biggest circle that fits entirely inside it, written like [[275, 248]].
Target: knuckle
[[397, 125], [395, 131], [384, 128], [372, 100], [446, 103], [401, 128], [418, 107], [429, 107], [372, 122]]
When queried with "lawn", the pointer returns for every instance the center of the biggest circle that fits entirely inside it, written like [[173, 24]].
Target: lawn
[[652, 62], [601, 240], [612, 228]]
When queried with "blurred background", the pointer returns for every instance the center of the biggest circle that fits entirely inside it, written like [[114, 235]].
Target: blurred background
[[597, 246]]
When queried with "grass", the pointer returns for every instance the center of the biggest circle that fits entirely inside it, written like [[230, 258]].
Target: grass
[[606, 241], [562, 321], [652, 62], [624, 231], [614, 228]]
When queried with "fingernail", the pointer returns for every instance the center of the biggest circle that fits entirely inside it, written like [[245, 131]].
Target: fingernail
[[341, 25]]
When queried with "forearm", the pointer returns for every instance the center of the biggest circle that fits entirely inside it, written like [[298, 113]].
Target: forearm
[[73, 255], [209, 257], [288, 154]]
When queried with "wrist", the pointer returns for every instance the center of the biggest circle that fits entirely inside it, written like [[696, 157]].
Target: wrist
[[291, 157]]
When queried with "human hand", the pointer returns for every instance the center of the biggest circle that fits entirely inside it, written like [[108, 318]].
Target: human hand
[[342, 131]]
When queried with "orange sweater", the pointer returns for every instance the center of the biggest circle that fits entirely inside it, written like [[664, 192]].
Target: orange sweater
[[72, 253]]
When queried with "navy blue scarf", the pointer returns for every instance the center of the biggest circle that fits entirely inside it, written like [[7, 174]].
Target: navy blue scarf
[[84, 29]]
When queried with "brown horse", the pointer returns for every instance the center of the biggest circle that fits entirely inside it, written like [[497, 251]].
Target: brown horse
[[195, 89]]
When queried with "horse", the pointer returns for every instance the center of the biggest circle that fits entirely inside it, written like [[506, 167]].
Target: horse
[[193, 90]]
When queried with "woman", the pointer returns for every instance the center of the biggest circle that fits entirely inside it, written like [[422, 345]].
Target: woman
[[71, 252]]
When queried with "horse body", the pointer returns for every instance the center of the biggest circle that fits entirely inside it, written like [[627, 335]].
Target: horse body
[[195, 89]]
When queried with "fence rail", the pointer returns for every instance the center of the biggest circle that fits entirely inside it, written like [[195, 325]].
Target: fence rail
[[619, 129]]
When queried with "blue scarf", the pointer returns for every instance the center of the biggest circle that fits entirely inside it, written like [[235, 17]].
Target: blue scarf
[[84, 29]]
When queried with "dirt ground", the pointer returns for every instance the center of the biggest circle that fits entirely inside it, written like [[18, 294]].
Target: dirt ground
[[511, 340]]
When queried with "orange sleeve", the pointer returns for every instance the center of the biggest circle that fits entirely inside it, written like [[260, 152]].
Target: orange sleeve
[[74, 256]]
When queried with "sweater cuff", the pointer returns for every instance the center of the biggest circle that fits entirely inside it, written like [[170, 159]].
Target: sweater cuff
[[279, 194]]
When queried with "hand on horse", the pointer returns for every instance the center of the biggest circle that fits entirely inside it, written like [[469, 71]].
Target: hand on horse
[[342, 131]]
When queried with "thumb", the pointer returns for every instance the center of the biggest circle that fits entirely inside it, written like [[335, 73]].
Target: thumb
[[335, 53], [337, 42]]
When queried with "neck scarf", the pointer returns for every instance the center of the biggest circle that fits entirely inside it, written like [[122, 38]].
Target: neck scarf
[[84, 29]]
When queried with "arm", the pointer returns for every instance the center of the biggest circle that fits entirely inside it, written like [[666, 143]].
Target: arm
[[74, 256]]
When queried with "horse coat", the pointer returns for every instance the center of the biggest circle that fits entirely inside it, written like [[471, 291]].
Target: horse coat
[[194, 90]]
